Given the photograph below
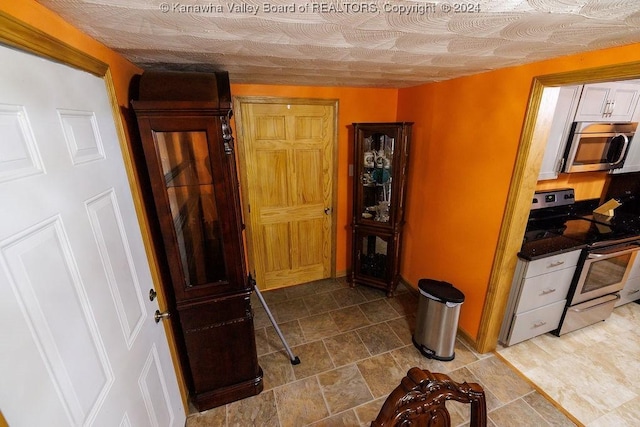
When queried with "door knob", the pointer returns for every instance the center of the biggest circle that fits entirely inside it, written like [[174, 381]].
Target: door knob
[[159, 316], [152, 294], [327, 211]]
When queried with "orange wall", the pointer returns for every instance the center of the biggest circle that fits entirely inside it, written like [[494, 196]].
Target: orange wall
[[30, 12], [354, 105], [466, 136]]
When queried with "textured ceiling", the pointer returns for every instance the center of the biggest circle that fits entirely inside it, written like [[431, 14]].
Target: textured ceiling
[[349, 43]]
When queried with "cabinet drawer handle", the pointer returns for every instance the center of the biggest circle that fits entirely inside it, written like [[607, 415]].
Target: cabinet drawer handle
[[555, 264], [635, 291], [609, 106], [539, 324], [547, 291]]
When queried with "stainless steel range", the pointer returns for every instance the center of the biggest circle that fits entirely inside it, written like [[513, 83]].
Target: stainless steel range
[[571, 267], [601, 273]]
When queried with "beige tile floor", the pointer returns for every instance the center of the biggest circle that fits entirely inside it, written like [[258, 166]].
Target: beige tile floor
[[593, 373], [355, 346]]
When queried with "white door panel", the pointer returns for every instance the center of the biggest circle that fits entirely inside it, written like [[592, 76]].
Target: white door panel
[[78, 342]]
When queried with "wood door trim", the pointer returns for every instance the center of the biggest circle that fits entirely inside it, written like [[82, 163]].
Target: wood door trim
[[238, 102], [30, 39]]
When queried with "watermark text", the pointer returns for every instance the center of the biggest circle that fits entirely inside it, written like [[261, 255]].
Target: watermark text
[[321, 7]]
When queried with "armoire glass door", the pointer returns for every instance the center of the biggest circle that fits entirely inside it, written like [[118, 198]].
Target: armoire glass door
[[188, 177]]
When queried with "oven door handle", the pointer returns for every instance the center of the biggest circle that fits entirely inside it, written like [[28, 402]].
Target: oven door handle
[[609, 299], [613, 251]]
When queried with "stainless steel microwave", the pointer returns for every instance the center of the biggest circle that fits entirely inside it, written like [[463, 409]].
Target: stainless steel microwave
[[596, 146]]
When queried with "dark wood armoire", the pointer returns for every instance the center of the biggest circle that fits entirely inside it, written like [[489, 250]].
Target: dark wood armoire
[[189, 160]]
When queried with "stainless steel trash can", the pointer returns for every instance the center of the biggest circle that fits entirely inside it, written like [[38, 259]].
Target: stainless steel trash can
[[437, 320]]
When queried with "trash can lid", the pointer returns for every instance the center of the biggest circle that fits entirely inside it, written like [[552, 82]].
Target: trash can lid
[[440, 291]]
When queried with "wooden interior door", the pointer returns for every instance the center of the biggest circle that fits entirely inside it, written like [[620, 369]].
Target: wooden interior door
[[288, 154]]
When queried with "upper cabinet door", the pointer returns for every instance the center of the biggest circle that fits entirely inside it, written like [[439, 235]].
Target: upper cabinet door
[[608, 102], [559, 131]]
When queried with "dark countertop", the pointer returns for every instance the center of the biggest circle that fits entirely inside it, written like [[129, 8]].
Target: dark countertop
[[531, 251], [579, 230]]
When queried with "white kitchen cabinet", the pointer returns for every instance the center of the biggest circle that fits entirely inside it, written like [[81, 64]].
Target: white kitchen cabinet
[[536, 322], [538, 296], [631, 290], [608, 102], [559, 131]]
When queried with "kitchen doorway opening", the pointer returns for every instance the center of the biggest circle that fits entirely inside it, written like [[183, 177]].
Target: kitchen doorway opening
[[540, 110]]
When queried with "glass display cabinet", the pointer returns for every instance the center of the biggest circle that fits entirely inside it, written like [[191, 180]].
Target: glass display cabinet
[[193, 203], [381, 154]]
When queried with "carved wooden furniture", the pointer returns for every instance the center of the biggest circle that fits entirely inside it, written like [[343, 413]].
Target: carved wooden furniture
[[195, 207], [420, 400], [381, 156]]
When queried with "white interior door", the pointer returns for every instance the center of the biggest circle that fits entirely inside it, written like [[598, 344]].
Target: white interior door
[[78, 341]]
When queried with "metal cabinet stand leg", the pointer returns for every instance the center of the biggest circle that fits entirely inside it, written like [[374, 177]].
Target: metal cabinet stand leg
[[294, 359]]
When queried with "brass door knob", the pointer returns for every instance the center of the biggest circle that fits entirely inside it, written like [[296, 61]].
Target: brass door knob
[[159, 316]]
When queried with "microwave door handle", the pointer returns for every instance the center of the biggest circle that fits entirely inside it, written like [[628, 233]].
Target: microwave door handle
[[625, 144]]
